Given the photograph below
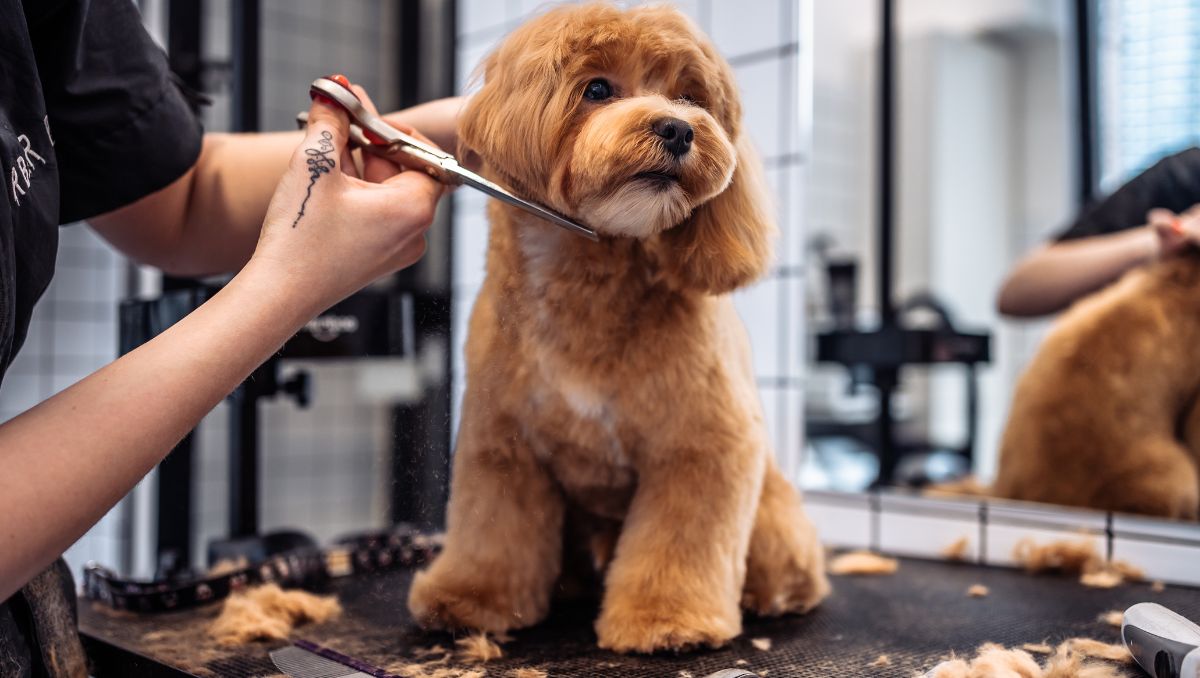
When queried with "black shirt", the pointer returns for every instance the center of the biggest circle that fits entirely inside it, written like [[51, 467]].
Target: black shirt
[[1171, 183], [90, 120]]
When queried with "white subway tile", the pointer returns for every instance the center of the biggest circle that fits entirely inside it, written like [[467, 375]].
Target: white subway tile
[[924, 528], [795, 365], [1002, 541], [759, 84], [793, 243], [758, 307], [842, 520], [470, 249], [746, 26], [478, 15], [1170, 562], [1166, 549]]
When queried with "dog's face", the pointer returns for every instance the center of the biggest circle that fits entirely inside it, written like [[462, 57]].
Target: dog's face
[[624, 120]]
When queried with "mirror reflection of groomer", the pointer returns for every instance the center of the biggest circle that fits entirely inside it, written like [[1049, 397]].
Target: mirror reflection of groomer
[[1154, 215], [92, 127]]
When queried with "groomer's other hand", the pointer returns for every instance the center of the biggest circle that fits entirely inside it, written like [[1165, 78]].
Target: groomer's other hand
[[328, 232], [1175, 231]]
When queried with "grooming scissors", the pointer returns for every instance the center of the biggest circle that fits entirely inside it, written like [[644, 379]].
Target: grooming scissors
[[373, 135]]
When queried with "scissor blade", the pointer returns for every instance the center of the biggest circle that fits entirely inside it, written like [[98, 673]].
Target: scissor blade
[[498, 192]]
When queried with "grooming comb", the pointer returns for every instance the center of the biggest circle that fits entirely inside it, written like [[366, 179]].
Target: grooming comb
[[306, 659]]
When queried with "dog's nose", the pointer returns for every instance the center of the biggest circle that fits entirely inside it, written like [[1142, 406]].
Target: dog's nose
[[676, 135]]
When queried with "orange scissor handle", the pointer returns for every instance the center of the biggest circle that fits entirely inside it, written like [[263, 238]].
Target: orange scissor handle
[[345, 82]]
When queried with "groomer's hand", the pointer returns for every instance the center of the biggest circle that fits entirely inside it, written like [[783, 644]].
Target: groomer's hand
[[329, 232], [1175, 231]]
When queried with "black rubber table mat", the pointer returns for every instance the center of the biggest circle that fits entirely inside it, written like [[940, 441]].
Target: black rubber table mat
[[916, 617]]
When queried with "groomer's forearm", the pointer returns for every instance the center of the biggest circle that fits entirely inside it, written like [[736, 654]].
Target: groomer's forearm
[[1052, 277], [208, 220], [437, 120], [66, 462]]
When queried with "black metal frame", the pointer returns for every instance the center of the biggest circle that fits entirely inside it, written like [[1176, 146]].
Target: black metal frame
[[886, 379], [421, 432], [173, 494], [1085, 62]]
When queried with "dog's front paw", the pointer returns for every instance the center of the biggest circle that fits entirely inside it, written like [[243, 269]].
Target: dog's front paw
[[784, 583], [785, 566], [647, 627], [441, 600]]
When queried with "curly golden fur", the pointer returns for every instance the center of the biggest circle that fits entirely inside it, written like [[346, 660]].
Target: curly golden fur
[[1106, 413], [609, 388]]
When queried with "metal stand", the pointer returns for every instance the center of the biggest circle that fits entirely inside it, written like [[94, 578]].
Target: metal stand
[[878, 355], [244, 456]]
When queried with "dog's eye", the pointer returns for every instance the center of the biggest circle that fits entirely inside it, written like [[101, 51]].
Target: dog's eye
[[597, 90]]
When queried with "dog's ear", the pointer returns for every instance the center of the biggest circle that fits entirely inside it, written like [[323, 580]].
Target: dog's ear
[[726, 243], [473, 132], [512, 106]]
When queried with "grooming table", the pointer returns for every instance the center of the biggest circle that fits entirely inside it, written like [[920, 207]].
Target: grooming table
[[915, 617]]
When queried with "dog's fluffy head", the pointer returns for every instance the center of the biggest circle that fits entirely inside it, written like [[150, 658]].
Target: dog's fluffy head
[[629, 121]]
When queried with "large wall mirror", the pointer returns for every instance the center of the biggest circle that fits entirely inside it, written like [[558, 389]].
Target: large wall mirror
[[1027, 350]]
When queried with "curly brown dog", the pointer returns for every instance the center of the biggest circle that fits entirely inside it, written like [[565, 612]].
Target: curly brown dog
[[1104, 416], [609, 388]]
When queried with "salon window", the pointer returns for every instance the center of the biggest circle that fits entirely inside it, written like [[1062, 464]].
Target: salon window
[[1148, 83]]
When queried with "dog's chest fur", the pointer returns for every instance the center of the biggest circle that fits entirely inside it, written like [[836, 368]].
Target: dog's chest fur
[[576, 430], [584, 362]]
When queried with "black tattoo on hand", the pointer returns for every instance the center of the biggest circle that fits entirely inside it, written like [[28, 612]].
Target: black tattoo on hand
[[319, 163]]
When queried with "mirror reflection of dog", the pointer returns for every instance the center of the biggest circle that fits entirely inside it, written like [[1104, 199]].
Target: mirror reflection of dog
[[610, 395], [1106, 414]]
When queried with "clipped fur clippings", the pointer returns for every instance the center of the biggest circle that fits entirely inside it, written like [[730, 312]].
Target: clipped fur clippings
[[1089, 647], [1068, 556], [268, 612], [978, 591], [433, 670], [1069, 660], [1112, 618], [957, 550], [527, 673], [967, 486], [863, 563], [1103, 579], [478, 648], [763, 644], [1077, 556], [881, 661]]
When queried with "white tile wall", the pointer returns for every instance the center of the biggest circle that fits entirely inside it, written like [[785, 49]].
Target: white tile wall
[[843, 520], [911, 525], [759, 82], [739, 28], [915, 526], [761, 38]]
